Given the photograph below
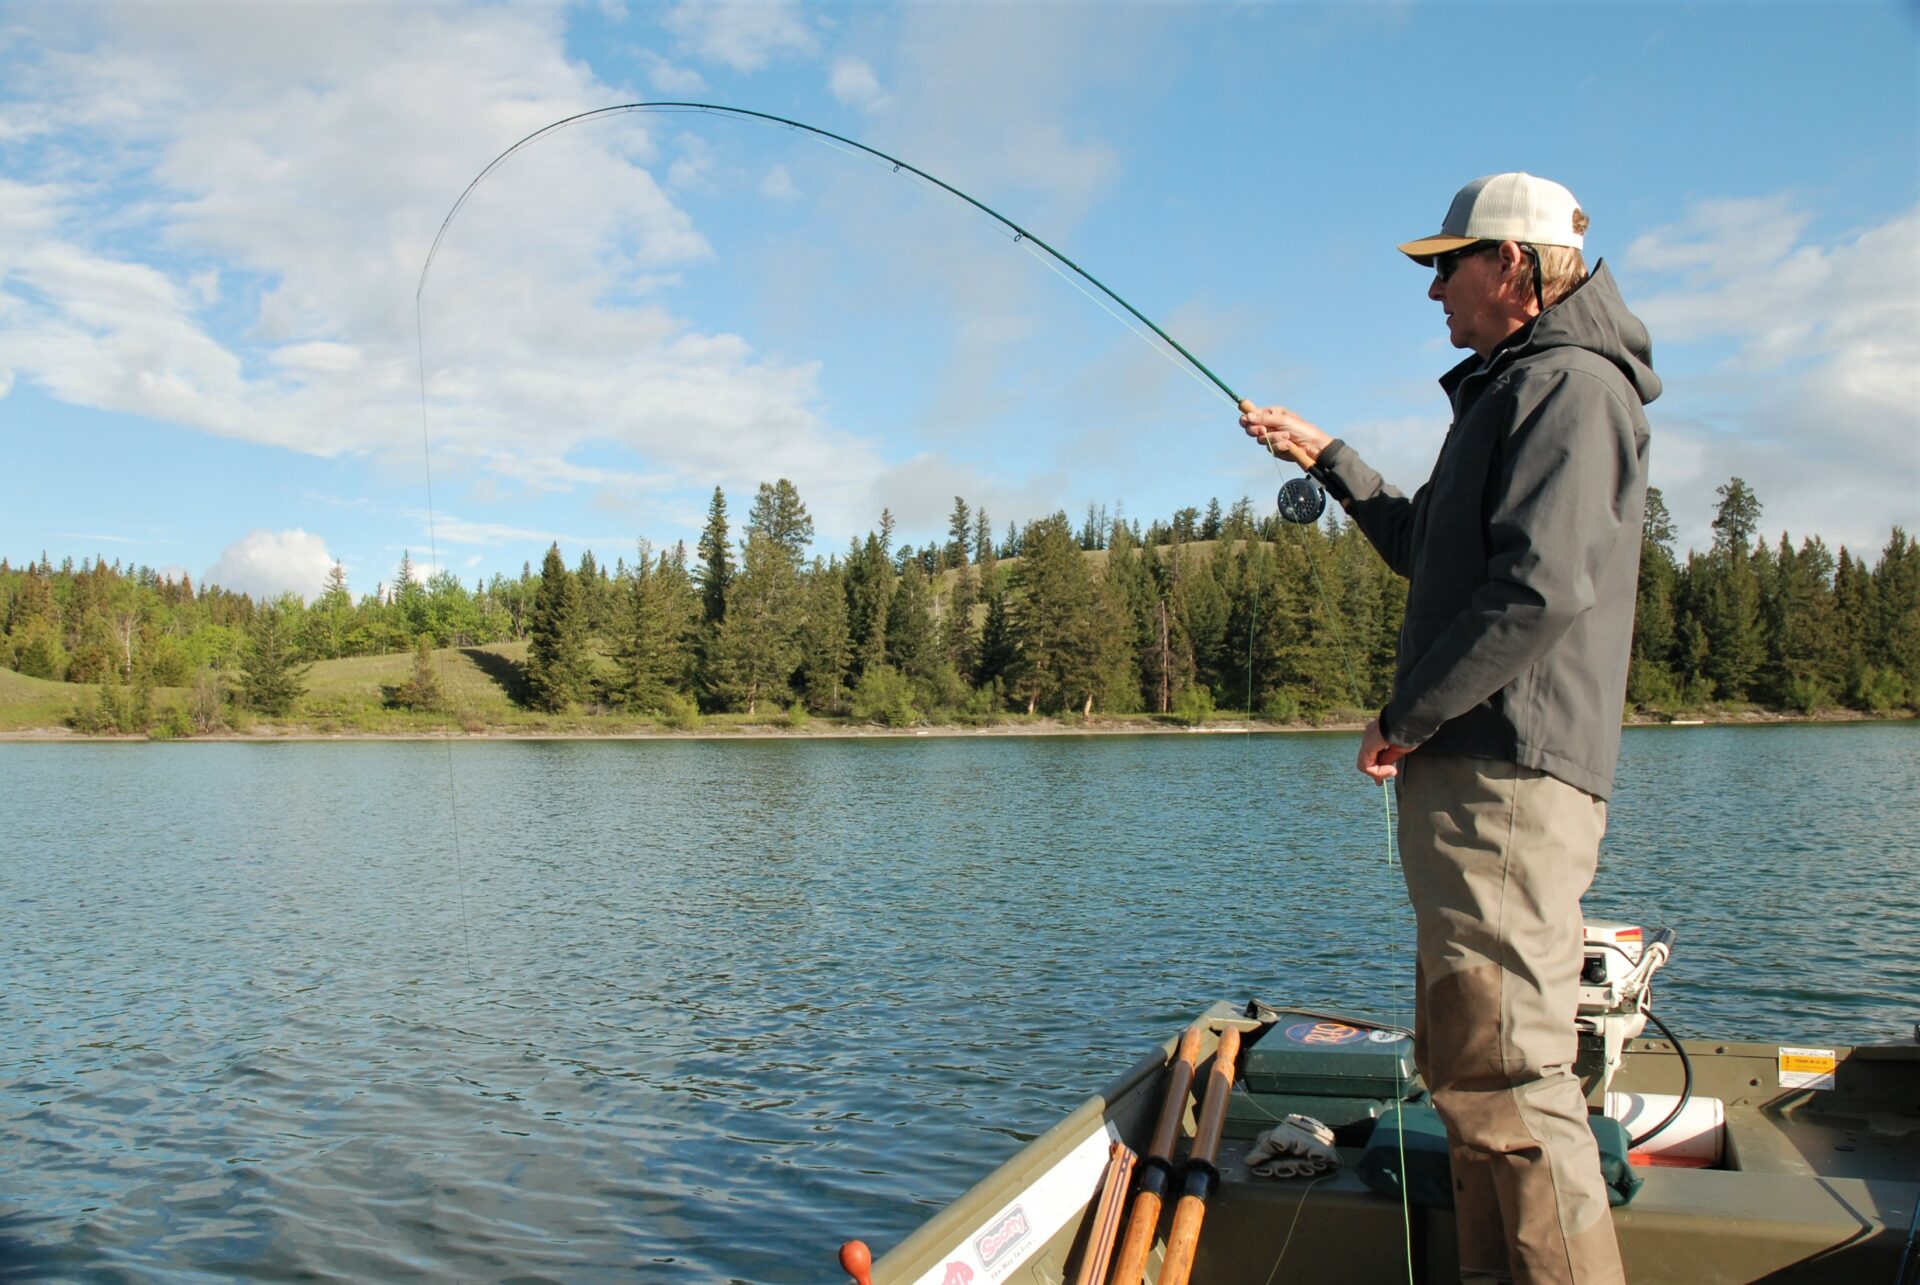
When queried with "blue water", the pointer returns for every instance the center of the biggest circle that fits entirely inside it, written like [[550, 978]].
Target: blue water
[[598, 1011]]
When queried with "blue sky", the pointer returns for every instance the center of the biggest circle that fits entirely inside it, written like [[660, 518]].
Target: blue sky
[[213, 219]]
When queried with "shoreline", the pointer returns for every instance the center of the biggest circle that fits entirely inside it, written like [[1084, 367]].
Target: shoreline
[[299, 732]]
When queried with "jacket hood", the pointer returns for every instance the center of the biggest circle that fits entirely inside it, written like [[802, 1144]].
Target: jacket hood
[[1593, 317]]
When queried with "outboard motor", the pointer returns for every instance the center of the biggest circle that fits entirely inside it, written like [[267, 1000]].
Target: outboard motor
[[1616, 992]]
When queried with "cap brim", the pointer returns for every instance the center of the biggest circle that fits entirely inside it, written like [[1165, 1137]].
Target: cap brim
[[1423, 250]]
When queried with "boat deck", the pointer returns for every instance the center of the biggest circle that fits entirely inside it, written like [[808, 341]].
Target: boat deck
[[1818, 1183]]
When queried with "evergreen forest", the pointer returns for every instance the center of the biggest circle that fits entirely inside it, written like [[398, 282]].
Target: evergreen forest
[[1207, 610]]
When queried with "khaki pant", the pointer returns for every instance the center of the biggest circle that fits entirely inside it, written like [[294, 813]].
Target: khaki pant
[[1496, 858]]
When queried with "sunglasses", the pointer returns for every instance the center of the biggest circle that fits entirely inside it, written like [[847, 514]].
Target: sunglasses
[[1445, 265]]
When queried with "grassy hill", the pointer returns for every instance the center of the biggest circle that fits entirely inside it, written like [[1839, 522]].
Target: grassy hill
[[351, 697]]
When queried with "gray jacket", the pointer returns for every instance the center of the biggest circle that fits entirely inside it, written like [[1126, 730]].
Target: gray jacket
[[1522, 551]]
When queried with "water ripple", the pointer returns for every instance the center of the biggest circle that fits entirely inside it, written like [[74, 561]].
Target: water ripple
[[695, 1011]]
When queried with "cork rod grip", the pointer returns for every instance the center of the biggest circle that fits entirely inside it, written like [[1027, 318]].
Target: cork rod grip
[[1293, 451]]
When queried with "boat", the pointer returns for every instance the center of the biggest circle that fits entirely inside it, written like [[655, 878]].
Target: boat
[[1774, 1162]]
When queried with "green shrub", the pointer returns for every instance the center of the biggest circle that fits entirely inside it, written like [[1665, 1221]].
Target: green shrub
[[679, 713], [90, 717], [884, 696], [206, 702], [1280, 707], [1805, 695], [1877, 690], [1194, 706], [173, 724]]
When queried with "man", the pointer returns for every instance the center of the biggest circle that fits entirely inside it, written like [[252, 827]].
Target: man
[[1521, 554]]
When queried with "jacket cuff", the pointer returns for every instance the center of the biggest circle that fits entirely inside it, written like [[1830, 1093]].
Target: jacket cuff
[[1389, 722], [1324, 469]]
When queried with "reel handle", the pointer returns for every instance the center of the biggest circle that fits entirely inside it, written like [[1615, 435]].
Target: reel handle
[[1293, 450]]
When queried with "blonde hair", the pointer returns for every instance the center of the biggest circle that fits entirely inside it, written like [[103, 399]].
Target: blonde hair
[[1563, 269]]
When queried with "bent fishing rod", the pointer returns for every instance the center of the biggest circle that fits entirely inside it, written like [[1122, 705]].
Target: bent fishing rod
[[1297, 498]]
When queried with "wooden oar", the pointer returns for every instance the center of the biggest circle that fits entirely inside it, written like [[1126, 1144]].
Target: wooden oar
[[1156, 1171], [1107, 1215], [1201, 1175]]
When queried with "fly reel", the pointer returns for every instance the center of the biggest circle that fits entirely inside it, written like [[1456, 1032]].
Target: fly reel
[[1302, 501]]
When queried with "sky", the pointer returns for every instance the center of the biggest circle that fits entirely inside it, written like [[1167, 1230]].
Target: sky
[[214, 221]]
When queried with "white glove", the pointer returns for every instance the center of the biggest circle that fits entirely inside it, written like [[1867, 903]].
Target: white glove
[[1298, 1147]]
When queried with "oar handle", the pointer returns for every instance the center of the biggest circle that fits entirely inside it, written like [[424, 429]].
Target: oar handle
[[1293, 450], [1130, 1262], [1183, 1238]]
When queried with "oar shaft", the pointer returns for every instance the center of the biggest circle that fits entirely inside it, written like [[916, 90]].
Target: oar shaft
[[1184, 1237], [1130, 1267]]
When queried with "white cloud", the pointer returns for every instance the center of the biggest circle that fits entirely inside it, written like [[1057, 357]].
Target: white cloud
[[266, 564], [744, 35], [453, 530], [668, 78], [778, 185], [852, 81], [1820, 395], [304, 176]]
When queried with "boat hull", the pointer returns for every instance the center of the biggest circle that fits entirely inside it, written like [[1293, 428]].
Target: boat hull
[[1819, 1183]]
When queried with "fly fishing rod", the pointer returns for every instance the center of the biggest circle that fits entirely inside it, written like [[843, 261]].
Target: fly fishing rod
[[1303, 493]]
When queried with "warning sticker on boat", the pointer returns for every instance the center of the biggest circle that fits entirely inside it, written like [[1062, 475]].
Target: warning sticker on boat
[[1807, 1068]]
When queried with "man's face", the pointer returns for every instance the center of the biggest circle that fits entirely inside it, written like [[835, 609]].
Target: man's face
[[1478, 316]]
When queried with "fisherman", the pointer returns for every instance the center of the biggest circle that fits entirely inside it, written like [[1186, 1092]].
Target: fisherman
[[1521, 555]]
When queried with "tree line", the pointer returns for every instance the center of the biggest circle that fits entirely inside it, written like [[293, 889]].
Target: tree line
[[1206, 609]]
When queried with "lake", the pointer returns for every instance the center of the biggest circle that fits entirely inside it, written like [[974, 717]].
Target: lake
[[695, 1010]]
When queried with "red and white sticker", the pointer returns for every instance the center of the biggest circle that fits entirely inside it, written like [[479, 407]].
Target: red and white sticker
[[992, 1251]]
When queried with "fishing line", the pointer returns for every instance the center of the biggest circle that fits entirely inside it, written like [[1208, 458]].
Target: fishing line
[[446, 733], [1124, 320], [1301, 506]]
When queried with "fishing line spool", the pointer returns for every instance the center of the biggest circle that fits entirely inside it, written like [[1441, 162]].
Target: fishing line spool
[[1302, 501]]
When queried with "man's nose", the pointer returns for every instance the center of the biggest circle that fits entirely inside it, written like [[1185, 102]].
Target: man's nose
[[1437, 289]]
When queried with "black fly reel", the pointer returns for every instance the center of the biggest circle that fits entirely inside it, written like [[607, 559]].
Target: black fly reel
[[1302, 501]]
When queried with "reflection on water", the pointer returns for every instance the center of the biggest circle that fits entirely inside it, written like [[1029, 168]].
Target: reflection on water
[[698, 1011]]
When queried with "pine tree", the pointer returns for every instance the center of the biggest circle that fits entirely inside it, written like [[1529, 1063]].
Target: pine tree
[[756, 648], [825, 644], [779, 515], [1737, 520], [1895, 641], [956, 623], [1650, 675], [910, 637], [869, 584], [662, 613], [422, 690], [716, 561], [1053, 614], [556, 672], [959, 531], [274, 680]]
